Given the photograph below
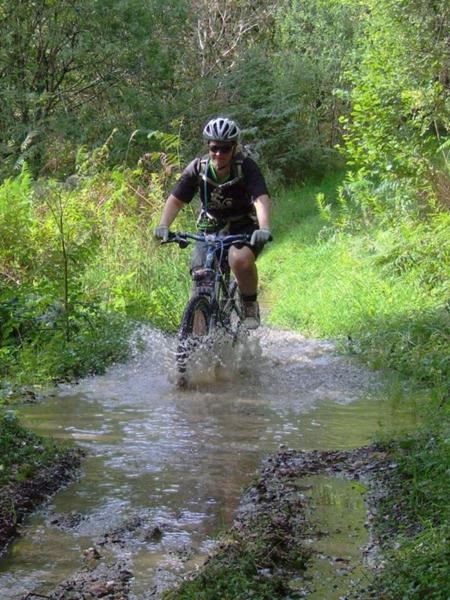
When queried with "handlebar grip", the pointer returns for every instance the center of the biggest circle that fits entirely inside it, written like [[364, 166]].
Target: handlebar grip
[[174, 237]]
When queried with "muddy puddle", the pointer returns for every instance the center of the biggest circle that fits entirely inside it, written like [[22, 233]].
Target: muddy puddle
[[339, 514], [165, 468]]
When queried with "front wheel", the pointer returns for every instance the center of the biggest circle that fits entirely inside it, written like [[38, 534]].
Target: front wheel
[[195, 329]]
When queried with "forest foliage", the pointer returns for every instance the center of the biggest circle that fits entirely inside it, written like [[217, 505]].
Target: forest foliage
[[102, 104]]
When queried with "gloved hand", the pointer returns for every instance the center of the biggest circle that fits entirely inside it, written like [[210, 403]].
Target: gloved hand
[[162, 233], [260, 237]]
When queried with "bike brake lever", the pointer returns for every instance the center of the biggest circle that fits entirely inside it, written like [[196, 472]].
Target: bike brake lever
[[181, 243]]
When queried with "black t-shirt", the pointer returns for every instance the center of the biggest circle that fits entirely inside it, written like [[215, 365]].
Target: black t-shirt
[[231, 199]]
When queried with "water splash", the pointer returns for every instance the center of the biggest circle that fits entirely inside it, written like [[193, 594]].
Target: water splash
[[219, 358]]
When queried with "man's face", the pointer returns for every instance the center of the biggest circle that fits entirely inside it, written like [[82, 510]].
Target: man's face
[[220, 154]]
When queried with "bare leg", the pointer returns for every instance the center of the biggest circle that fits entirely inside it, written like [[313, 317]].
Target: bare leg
[[242, 263]]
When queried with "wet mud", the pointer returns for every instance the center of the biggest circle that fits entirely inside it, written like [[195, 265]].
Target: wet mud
[[19, 499], [95, 581], [291, 472], [280, 499], [276, 512]]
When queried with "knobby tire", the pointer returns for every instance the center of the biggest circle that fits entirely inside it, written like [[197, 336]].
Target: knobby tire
[[196, 325]]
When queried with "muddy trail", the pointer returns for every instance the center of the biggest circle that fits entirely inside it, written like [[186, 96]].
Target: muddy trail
[[165, 469]]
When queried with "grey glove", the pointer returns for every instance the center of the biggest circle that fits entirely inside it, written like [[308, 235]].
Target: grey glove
[[260, 237], [162, 233]]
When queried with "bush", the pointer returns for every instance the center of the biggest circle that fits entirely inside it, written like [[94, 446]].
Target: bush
[[79, 264]]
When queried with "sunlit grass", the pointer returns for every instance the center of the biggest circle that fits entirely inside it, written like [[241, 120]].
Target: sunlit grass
[[382, 294], [359, 289]]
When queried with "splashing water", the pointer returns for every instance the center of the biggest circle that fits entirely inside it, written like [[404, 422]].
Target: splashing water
[[221, 357]]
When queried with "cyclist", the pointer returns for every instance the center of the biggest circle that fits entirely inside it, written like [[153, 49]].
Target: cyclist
[[234, 200]]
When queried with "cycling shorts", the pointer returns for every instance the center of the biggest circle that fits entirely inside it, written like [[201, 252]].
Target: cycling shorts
[[199, 252]]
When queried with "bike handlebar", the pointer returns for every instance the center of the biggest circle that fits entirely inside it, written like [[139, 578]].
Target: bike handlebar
[[183, 239]]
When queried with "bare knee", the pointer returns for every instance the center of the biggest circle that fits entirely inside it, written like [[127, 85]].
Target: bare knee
[[241, 259]]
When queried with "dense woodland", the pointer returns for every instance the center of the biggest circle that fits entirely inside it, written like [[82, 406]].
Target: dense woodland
[[102, 103]]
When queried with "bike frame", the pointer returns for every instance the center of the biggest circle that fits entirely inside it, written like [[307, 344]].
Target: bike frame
[[214, 277], [213, 300]]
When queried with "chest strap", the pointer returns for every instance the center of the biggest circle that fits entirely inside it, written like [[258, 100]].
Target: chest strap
[[203, 175]]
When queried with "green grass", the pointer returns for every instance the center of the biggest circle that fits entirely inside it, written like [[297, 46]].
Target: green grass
[[383, 294], [22, 453], [419, 569], [417, 551], [136, 276], [98, 338], [64, 314]]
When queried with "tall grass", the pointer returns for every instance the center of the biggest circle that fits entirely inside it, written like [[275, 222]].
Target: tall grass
[[383, 294], [78, 264], [134, 275]]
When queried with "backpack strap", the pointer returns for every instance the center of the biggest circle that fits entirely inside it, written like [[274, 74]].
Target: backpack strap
[[203, 174]]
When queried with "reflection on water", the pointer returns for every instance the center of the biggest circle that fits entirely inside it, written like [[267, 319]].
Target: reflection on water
[[180, 458], [339, 513]]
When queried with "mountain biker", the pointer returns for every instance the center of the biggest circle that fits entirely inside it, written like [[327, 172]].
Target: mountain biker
[[234, 200]]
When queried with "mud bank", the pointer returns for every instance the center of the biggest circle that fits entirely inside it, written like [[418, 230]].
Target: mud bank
[[269, 546], [20, 498], [97, 581], [267, 553]]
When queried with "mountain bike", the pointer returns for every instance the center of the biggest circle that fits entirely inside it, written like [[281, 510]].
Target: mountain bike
[[214, 304]]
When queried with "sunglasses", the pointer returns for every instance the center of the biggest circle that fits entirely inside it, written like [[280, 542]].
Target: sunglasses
[[220, 149]]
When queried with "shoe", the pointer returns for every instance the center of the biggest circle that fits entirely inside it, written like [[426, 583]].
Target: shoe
[[251, 314]]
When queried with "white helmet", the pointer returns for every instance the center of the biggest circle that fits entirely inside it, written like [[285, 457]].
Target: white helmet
[[221, 129]]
